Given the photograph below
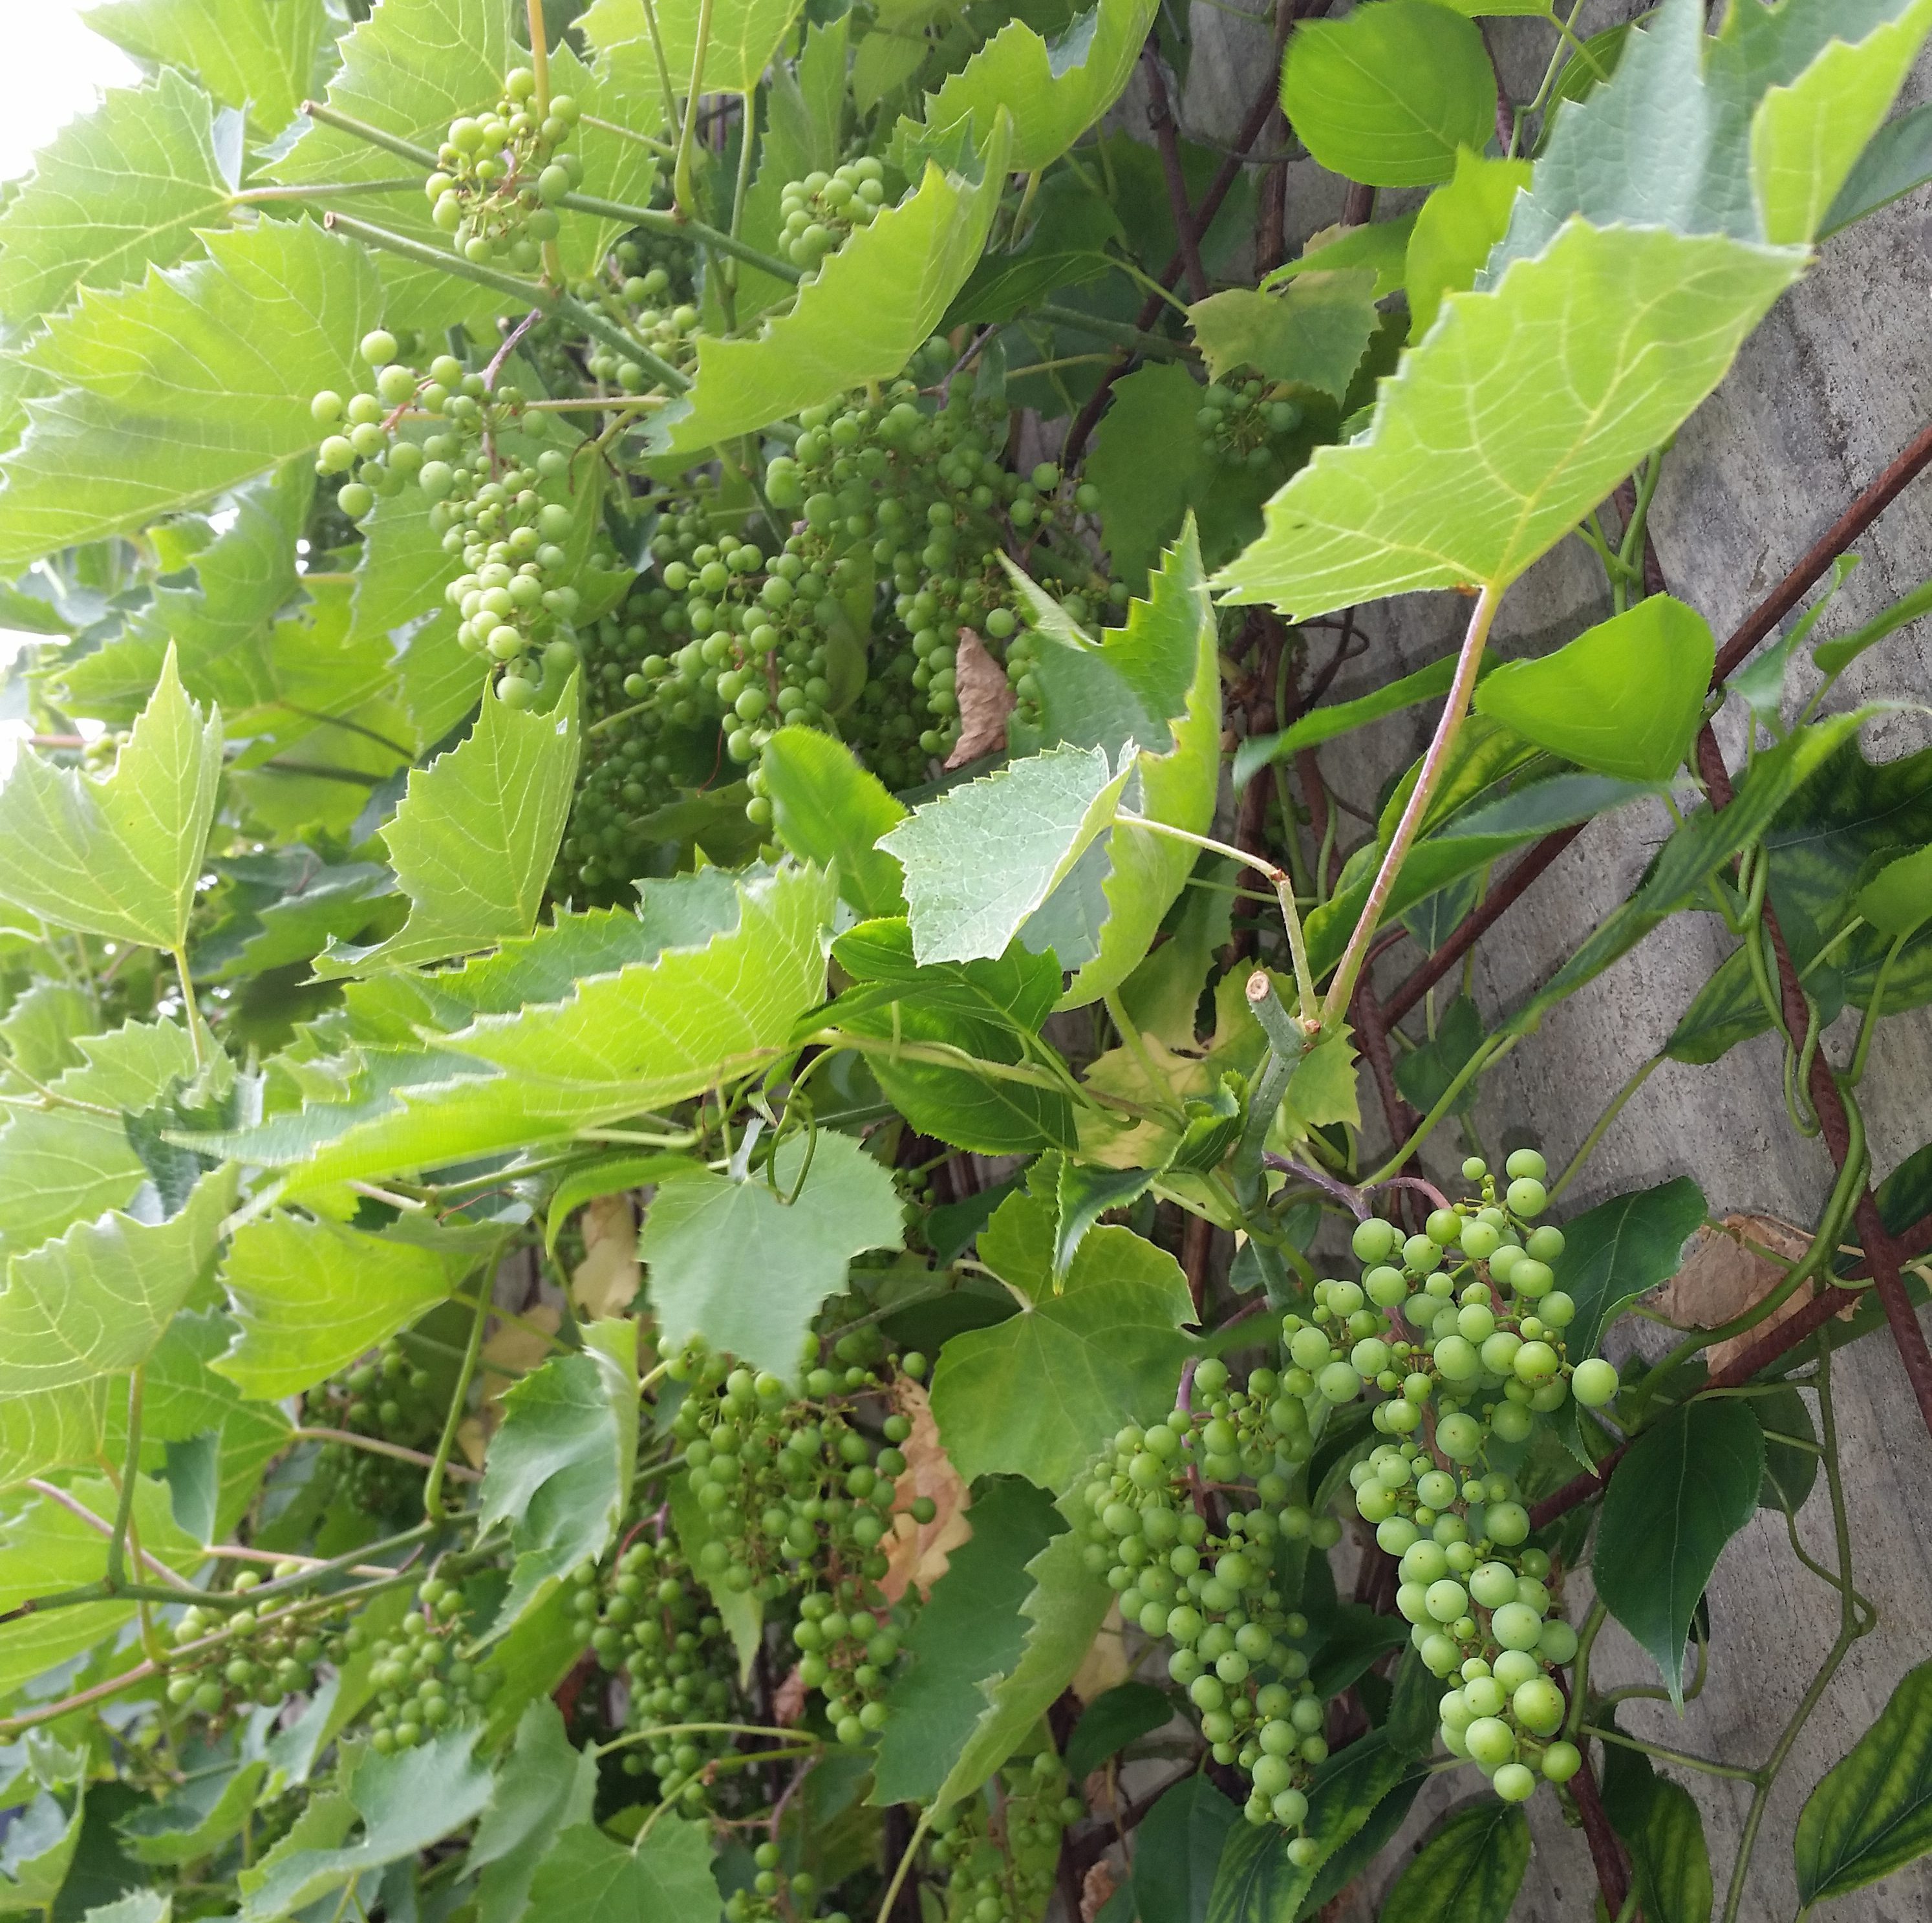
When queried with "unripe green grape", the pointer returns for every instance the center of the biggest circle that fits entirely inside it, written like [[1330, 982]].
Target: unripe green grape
[[1594, 1382], [379, 346], [1527, 1196], [1562, 1761], [1490, 1741], [1514, 1783], [355, 499], [1525, 1162]]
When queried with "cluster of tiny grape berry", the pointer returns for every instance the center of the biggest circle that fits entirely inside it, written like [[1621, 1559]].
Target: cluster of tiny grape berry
[[644, 306], [249, 1659], [1210, 1591], [798, 1494], [774, 1896], [499, 174], [388, 1398], [422, 1684], [1000, 1855], [650, 1620], [1241, 422], [819, 211]]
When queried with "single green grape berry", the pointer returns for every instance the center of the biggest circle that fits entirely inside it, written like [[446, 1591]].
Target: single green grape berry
[[1373, 1240], [1527, 1196], [1474, 1168], [379, 346], [1525, 1161], [1594, 1382], [1514, 1783], [1539, 1706], [1517, 1626], [355, 499], [1490, 1741]]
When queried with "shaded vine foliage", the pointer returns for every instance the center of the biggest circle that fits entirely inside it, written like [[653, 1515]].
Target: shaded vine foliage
[[701, 1217]]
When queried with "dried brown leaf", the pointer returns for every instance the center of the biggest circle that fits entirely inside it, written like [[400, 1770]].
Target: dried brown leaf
[[985, 701], [1726, 1270], [513, 1349], [1096, 1887], [788, 1700], [917, 1553], [607, 1280], [1105, 1666]]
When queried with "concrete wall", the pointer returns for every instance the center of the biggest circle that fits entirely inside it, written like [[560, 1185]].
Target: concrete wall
[[1836, 381]]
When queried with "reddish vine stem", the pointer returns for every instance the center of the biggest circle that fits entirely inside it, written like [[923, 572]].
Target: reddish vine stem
[[1167, 141]]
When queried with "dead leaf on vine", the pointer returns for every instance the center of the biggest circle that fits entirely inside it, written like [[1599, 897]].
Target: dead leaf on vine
[[1097, 1889], [512, 1350], [917, 1553], [1105, 1665], [788, 1700], [608, 1278], [1722, 1274], [985, 701]]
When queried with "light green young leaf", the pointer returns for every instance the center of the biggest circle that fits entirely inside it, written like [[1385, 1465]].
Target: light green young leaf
[[1063, 1613], [664, 1878], [473, 841], [1314, 332], [36, 1853], [120, 190], [828, 810], [69, 1163], [1054, 93], [736, 1264], [1896, 901], [544, 1786], [1380, 246], [970, 1633], [633, 1035], [871, 305], [406, 1801], [1467, 1870], [311, 1296], [1524, 406], [1388, 94], [1455, 230], [79, 1314], [1036, 1394], [558, 1470], [1625, 698], [744, 35], [259, 54], [119, 854], [138, 1906], [980, 858], [191, 381]]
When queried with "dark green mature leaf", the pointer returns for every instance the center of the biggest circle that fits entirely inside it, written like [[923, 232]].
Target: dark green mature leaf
[[746, 1266], [193, 380], [1671, 1858], [1897, 162], [559, 1471], [1036, 1394], [1389, 94], [1872, 1813], [1177, 1849], [1113, 1719], [1621, 1249], [545, 1786], [826, 809], [1682, 1490], [120, 190], [1790, 1468], [1623, 698], [970, 1632], [1467, 1870]]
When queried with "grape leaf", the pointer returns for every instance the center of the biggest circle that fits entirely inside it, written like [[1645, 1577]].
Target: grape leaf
[[665, 1877], [1684, 1488], [1625, 698], [1872, 1813], [1621, 1249], [474, 839], [311, 1296], [871, 305], [1381, 246], [1389, 94], [1523, 407], [1064, 1613], [544, 1786], [119, 190], [633, 1036], [406, 1801], [1455, 230], [1178, 1850], [743, 36], [740, 1265], [1053, 92], [78, 1315], [118, 855], [37, 1852], [1314, 332], [1036, 1394], [970, 1632], [558, 1470], [984, 856], [1259, 751], [178, 386], [1467, 1870], [259, 54], [206, 1812], [1898, 161], [68, 1162], [828, 810]]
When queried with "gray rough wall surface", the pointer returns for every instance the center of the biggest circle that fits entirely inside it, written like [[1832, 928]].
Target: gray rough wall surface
[[1837, 380]]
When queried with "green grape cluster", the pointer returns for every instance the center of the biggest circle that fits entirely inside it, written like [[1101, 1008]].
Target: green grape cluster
[[1210, 1590], [999, 1853], [1241, 421], [499, 175], [251, 1658], [422, 1683], [386, 1397], [774, 1896], [819, 211], [798, 1497], [649, 1620]]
